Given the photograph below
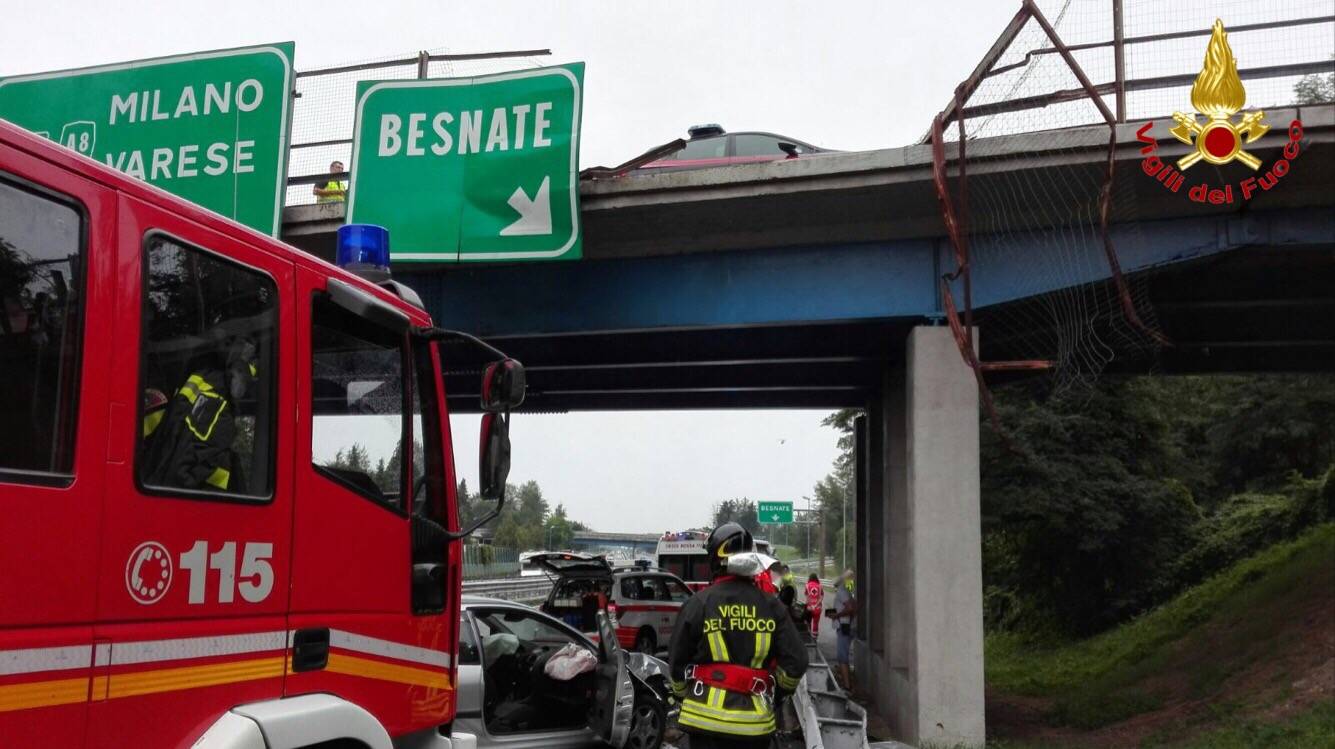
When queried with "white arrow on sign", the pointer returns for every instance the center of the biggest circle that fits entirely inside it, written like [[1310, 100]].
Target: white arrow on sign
[[535, 214]]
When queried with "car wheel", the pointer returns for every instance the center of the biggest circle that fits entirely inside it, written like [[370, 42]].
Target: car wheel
[[647, 724], [645, 642]]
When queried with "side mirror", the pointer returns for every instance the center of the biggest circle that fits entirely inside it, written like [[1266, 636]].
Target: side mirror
[[788, 148], [503, 385], [494, 455]]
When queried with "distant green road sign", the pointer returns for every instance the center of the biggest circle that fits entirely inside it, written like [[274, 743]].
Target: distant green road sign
[[774, 513], [211, 127], [471, 169]]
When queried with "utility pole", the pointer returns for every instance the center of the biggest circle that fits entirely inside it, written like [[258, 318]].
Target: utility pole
[[843, 528], [820, 543]]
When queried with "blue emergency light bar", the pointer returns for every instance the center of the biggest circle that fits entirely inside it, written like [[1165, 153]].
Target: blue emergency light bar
[[363, 249]]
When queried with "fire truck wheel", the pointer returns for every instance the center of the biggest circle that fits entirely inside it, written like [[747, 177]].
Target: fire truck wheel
[[645, 642]]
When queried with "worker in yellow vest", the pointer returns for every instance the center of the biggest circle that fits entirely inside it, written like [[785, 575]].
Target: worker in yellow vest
[[335, 190]]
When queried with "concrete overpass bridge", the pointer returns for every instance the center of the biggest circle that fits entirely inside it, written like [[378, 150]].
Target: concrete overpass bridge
[[632, 543], [794, 283], [814, 283]]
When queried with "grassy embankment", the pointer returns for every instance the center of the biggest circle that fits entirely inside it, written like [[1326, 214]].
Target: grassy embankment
[[1243, 659]]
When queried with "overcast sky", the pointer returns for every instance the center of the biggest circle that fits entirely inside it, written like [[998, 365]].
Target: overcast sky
[[845, 75]]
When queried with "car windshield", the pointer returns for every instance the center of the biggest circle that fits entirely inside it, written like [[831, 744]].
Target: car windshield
[[702, 148]]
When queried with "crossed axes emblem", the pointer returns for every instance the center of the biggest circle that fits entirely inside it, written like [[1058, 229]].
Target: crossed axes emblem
[[1219, 141]]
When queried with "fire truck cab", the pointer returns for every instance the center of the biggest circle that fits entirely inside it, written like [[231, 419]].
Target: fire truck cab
[[227, 491]]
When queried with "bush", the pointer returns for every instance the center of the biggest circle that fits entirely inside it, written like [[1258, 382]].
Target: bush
[[1247, 523]]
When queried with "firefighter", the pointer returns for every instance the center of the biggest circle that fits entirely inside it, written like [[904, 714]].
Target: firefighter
[[734, 651], [189, 446]]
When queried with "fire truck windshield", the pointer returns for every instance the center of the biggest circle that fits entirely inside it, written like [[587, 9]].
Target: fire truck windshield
[[359, 411]]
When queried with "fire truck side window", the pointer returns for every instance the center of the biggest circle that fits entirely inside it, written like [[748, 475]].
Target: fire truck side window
[[207, 374], [41, 295], [357, 434]]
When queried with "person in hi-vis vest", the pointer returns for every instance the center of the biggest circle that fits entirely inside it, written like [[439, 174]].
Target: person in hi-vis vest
[[335, 190]]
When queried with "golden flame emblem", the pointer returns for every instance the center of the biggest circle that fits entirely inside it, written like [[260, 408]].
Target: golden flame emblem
[[1218, 94]]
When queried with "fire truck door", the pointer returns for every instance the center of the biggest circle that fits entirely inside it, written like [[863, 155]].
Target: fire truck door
[[57, 233], [195, 546], [358, 458]]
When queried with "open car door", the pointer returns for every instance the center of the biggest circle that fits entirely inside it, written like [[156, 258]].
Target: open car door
[[613, 703]]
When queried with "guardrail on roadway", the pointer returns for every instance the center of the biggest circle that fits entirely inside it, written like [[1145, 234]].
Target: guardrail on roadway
[[520, 590]]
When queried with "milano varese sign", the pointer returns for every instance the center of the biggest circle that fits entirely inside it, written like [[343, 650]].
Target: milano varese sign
[[471, 169], [211, 127]]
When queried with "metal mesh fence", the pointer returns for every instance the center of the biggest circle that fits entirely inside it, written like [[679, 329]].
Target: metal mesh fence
[[1139, 59], [484, 562], [1030, 87], [1263, 48], [325, 110]]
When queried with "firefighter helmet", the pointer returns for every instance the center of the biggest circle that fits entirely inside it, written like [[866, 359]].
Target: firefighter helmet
[[242, 365], [726, 540]]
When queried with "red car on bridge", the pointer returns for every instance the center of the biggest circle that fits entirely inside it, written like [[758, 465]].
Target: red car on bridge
[[710, 145]]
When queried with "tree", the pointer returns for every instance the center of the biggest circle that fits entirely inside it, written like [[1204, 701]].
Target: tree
[[353, 458], [835, 494], [1315, 89], [530, 507], [1079, 516], [468, 510], [741, 511], [558, 532], [1274, 426], [510, 534]]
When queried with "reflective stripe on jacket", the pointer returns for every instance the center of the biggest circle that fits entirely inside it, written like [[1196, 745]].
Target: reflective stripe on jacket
[[189, 445]]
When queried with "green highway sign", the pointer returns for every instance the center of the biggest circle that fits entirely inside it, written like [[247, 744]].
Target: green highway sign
[[775, 512], [471, 169], [211, 127]]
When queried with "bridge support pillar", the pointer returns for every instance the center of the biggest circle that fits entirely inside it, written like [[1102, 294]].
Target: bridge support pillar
[[920, 650]]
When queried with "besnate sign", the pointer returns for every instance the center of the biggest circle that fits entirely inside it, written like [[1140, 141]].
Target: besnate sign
[[471, 169]]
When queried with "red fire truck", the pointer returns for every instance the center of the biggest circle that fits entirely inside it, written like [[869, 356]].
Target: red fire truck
[[227, 491]]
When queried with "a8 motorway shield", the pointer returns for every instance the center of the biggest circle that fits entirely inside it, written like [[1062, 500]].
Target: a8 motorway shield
[[471, 169], [211, 127]]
